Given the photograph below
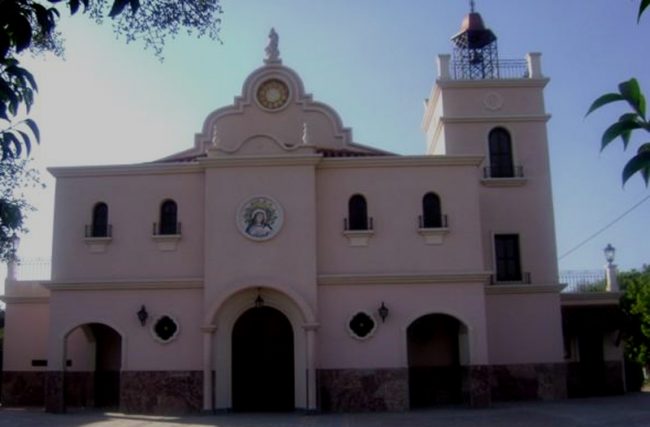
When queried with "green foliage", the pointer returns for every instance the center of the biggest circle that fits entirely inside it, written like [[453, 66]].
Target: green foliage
[[630, 92], [635, 305], [31, 25], [15, 175]]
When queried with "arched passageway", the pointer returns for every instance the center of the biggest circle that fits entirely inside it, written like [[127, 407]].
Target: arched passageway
[[437, 350], [262, 361], [93, 364]]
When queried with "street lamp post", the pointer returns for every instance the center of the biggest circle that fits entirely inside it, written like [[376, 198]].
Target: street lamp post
[[610, 268]]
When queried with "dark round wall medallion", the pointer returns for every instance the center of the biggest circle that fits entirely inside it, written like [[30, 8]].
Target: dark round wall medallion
[[362, 325], [165, 329]]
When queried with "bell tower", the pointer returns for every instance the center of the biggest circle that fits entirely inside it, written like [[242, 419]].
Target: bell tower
[[487, 106], [475, 49]]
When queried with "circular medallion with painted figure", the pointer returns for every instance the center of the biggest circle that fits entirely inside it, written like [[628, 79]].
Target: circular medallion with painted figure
[[260, 218], [273, 94]]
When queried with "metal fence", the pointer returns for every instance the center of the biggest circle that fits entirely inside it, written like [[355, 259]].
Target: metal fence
[[34, 269], [580, 281]]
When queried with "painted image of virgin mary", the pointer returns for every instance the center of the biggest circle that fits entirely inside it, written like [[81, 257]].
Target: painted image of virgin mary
[[258, 225]]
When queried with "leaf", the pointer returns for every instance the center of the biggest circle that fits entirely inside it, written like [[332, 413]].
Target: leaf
[[21, 32], [622, 129], [4, 44], [74, 6], [11, 138], [118, 7], [603, 100], [26, 141], [642, 7], [631, 91], [34, 128], [639, 163]]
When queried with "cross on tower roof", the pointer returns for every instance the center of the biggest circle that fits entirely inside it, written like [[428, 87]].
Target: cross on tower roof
[[472, 5]]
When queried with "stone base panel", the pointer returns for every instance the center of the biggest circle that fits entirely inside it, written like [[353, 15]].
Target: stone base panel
[[339, 390], [161, 392], [23, 388]]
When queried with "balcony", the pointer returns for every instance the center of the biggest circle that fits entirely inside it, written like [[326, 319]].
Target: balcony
[[583, 281], [505, 69], [98, 237], [433, 232], [167, 235], [360, 234]]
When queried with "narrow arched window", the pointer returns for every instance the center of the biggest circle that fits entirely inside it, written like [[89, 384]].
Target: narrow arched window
[[431, 213], [169, 218], [501, 165], [357, 213], [99, 226]]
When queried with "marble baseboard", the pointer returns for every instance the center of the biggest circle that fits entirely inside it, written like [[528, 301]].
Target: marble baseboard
[[161, 392], [479, 393], [54, 392], [79, 389], [600, 379], [23, 388], [539, 381], [343, 390]]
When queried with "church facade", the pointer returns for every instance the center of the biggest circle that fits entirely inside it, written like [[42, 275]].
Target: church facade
[[278, 265]]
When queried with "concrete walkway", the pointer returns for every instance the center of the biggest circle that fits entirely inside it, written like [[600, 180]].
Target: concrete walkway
[[632, 410]]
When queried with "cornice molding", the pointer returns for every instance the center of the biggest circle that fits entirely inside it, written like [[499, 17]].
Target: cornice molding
[[121, 170], [254, 161], [492, 83], [399, 161], [590, 298], [400, 279], [124, 285], [523, 289], [497, 119], [7, 299]]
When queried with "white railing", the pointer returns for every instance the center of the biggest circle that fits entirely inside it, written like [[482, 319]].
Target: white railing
[[580, 281], [31, 269]]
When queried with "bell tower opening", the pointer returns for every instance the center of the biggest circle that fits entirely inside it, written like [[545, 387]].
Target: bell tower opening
[[475, 50]]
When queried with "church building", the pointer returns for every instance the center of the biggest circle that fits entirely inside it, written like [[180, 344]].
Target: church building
[[278, 265]]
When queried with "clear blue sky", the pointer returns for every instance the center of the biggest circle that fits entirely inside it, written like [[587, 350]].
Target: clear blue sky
[[373, 61]]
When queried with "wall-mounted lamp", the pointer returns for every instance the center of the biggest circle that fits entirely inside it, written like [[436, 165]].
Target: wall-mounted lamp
[[143, 315], [383, 312], [259, 301], [610, 252]]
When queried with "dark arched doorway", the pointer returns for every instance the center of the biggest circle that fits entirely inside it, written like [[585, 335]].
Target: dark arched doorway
[[262, 361], [436, 347], [94, 361]]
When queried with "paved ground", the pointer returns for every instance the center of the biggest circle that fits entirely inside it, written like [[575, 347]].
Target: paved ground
[[632, 410]]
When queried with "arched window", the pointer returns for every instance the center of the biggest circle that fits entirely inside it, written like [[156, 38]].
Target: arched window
[[357, 213], [169, 218], [501, 165], [431, 213], [99, 226]]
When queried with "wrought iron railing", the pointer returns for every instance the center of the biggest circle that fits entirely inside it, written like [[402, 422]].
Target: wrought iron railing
[[432, 223], [167, 229], [368, 226], [505, 69], [503, 172], [95, 230], [582, 281]]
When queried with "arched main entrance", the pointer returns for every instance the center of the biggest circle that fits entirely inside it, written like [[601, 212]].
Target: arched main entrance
[[262, 361], [93, 363], [437, 349]]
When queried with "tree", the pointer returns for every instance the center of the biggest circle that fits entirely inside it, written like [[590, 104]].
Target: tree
[[629, 92], [15, 175], [635, 306], [30, 25]]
